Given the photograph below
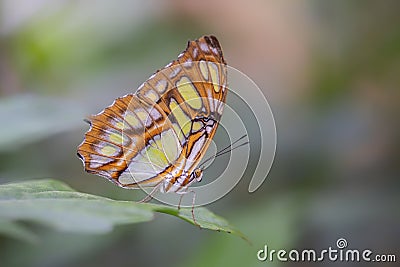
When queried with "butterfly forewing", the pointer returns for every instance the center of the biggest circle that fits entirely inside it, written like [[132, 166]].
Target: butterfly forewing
[[165, 128]]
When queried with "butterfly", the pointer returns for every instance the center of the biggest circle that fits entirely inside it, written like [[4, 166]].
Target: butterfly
[[157, 136]]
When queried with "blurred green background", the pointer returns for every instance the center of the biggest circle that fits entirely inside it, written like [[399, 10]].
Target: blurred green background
[[331, 73]]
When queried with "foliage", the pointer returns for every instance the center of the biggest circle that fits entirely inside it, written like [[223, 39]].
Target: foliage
[[55, 204]]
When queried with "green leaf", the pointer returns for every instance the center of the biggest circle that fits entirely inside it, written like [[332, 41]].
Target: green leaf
[[202, 218], [55, 204], [17, 231]]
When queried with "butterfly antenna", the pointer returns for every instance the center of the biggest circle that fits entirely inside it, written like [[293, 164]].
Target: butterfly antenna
[[235, 142], [226, 149], [233, 148]]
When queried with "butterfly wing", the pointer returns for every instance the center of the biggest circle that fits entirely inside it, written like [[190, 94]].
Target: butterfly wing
[[166, 126]]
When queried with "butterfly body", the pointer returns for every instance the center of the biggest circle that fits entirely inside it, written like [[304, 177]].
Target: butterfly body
[[158, 136]]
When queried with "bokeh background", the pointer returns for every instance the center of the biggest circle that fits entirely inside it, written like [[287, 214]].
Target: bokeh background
[[331, 73]]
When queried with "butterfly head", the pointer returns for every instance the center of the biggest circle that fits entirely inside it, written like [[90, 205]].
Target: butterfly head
[[197, 174]]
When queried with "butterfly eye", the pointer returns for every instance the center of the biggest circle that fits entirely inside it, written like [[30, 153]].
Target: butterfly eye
[[198, 174]]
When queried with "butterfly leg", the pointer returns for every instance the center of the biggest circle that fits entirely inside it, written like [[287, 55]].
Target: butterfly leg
[[193, 201], [146, 199], [180, 200], [149, 196]]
